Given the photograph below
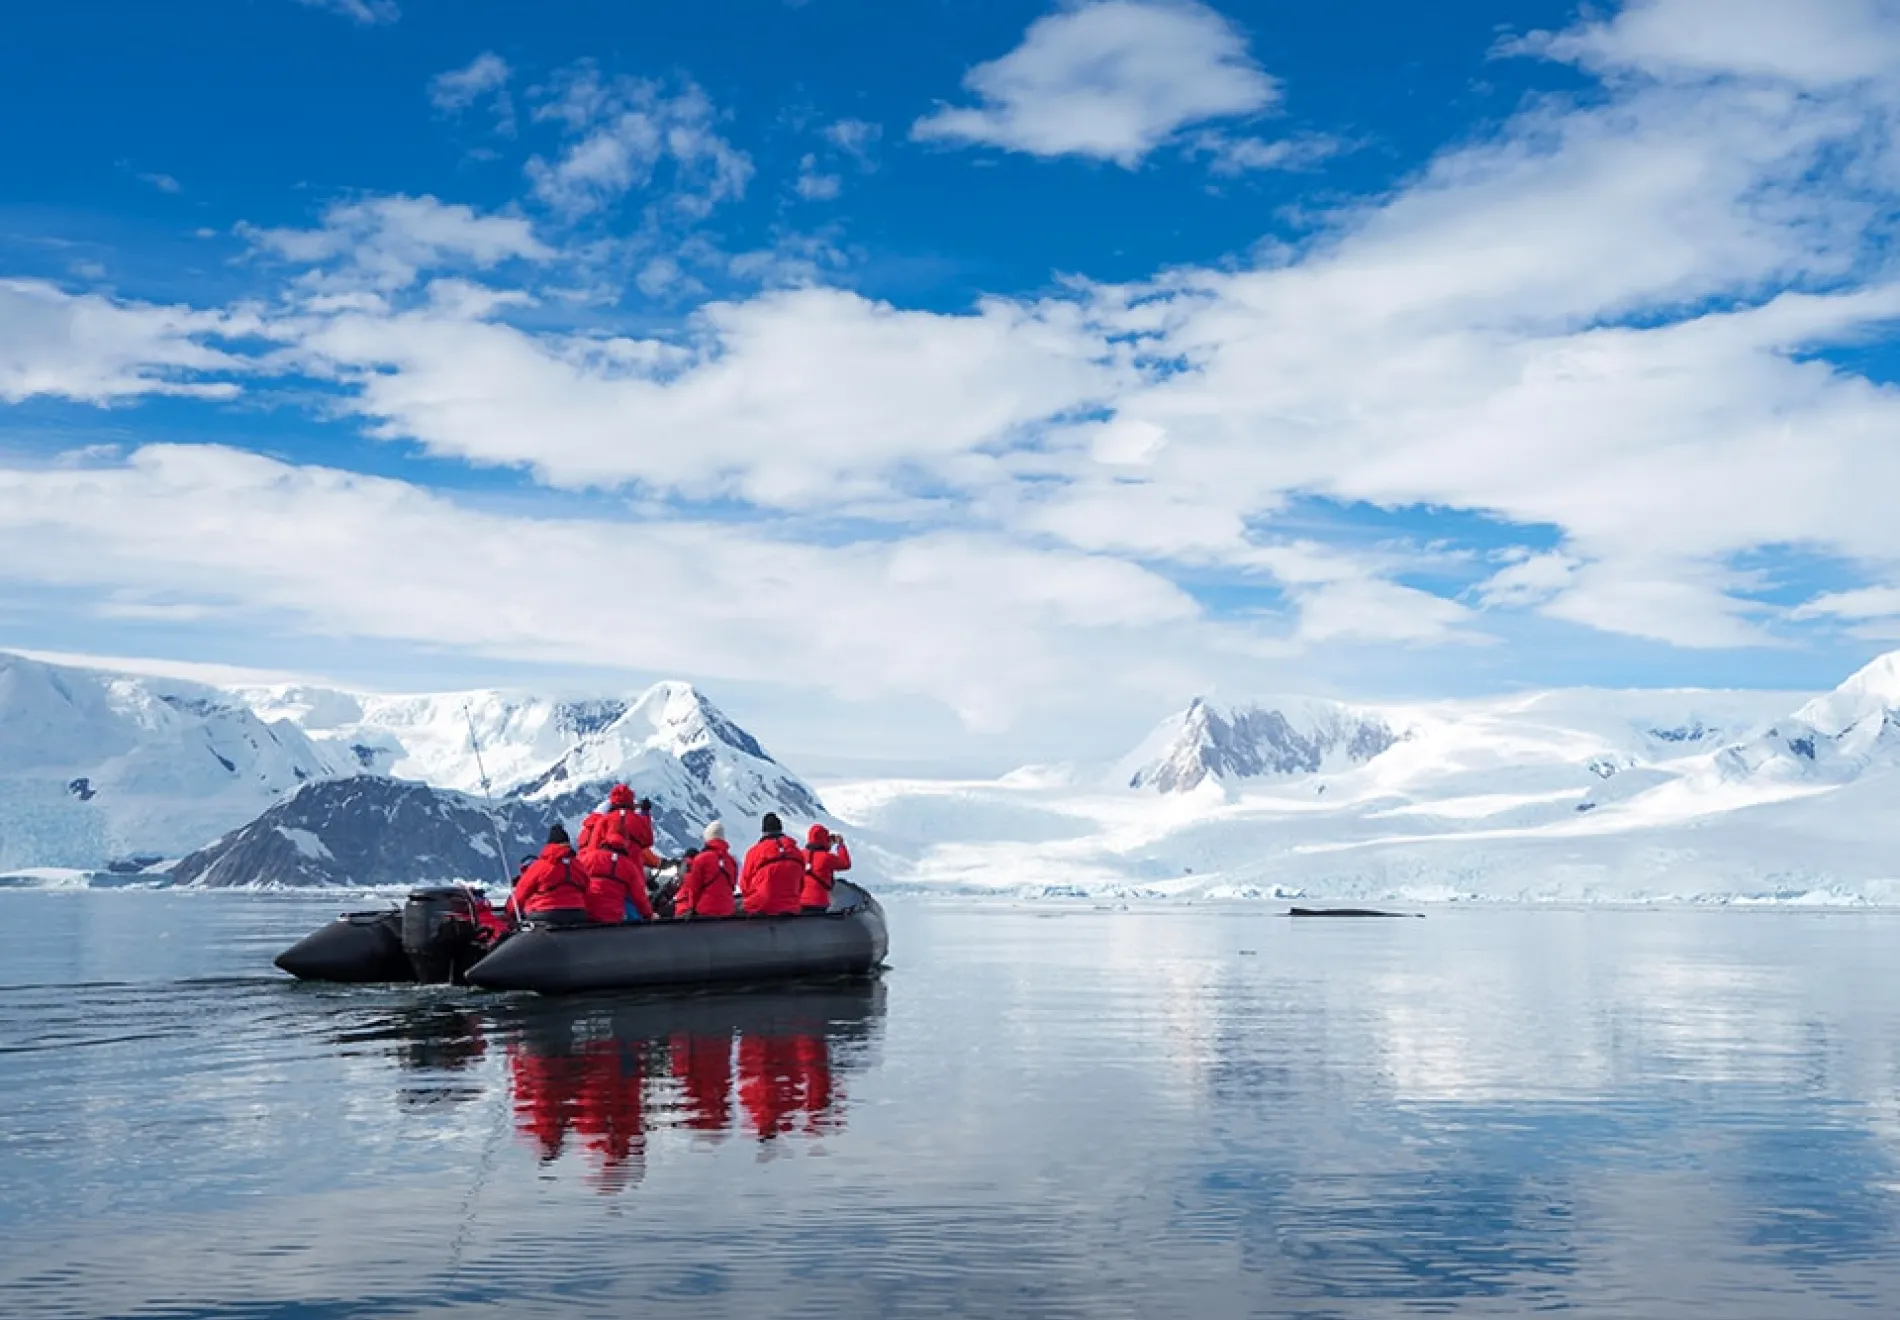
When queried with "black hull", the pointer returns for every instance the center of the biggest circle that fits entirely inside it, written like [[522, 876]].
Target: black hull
[[358, 947], [849, 940]]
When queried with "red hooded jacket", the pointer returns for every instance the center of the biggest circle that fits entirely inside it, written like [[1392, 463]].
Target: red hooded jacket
[[616, 849], [552, 883], [774, 871], [822, 864], [707, 890], [613, 881], [619, 829]]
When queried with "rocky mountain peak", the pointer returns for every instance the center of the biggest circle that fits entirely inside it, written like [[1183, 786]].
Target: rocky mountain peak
[[1273, 739]]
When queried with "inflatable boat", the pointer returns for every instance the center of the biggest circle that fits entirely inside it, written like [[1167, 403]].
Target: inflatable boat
[[436, 937], [848, 940]]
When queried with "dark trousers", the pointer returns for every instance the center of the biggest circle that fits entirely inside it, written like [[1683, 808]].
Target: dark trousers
[[559, 917]]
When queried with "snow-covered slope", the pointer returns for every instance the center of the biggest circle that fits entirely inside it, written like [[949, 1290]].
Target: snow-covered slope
[[1833, 739], [1577, 794], [427, 737], [99, 769]]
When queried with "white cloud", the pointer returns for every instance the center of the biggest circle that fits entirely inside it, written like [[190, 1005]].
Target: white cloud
[[965, 619], [483, 78], [1531, 579], [460, 88], [163, 182], [1863, 603], [796, 397], [814, 186], [95, 350], [1815, 42], [855, 138], [367, 12], [1112, 80], [620, 131], [1377, 610], [1351, 596], [1683, 604], [1240, 155], [385, 243]]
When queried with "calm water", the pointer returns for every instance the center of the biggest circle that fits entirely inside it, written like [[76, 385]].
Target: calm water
[[1039, 1110]]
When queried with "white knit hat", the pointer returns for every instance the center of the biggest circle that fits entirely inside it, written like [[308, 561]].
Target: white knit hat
[[715, 831]]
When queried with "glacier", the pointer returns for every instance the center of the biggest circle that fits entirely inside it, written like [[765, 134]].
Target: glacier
[[1577, 795]]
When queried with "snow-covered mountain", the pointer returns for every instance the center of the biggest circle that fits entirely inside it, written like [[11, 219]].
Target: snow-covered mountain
[[1578, 794], [1301, 736], [1833, 739], [100, 769], [371, 830]]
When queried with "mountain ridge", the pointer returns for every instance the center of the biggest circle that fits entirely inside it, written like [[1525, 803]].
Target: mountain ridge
[[104, 770]]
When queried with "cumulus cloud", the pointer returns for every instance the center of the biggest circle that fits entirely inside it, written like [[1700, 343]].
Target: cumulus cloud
[[620, 130], [793, 397], [483, 78], [385, 243], [460, 88], [812, 184], [966, 619], [1110, 80], [96, 350], [1818, 43]]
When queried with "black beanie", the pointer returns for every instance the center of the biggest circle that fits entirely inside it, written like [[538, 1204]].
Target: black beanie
[[557, 833], [771, 824]]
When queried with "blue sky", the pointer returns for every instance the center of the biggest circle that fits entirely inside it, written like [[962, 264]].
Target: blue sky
[[954, 383]]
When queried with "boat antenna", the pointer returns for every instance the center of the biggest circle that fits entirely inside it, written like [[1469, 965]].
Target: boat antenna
[[481, 772]]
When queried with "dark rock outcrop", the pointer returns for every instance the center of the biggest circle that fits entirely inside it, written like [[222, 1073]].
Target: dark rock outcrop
[[368, 830]]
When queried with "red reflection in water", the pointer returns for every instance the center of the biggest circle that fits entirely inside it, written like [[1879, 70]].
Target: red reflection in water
[[609, 1075], [702, 1069]]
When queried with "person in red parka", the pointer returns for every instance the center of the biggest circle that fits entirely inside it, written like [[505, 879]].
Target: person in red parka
[[707, 890], [616, 849], [825, 856], [553, 889], [774, 870]]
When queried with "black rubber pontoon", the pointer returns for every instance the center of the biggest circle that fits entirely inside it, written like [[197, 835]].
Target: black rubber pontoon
[[357, 947], [848, 940], [431, 938]]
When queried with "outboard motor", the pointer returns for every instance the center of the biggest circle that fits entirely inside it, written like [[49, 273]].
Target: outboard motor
[[439, 933]]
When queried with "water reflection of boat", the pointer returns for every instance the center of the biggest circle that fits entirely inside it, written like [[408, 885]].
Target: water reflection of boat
[[607, 1073]]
